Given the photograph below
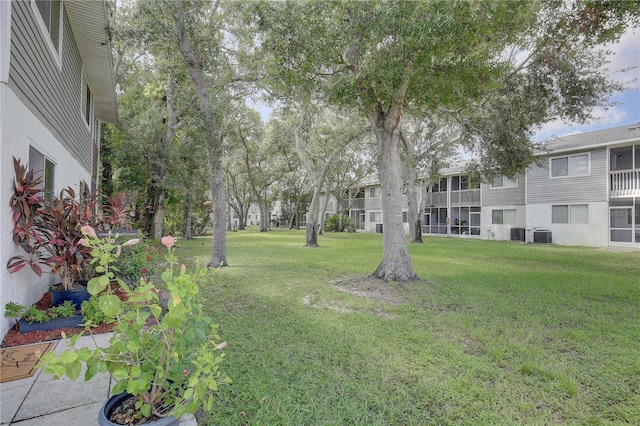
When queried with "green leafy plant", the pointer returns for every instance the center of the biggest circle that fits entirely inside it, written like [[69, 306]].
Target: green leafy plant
[[34, 315], [166, 358], [91, 312], [137, 262], [48, 231], [332, 224], [13, 310], [66, 310]]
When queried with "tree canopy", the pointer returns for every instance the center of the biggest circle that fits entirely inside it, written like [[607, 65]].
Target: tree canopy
[[385, 57], [497, 69]]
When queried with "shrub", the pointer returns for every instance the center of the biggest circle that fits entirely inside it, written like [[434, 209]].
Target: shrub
[[332, 224], [91, 312], [137, 262]]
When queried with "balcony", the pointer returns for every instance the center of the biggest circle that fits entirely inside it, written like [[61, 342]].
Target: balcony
[[465, 197], [624, 183], [354, 204], [438, 199]]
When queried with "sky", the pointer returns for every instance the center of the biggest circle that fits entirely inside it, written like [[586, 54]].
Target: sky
[[626, 54]]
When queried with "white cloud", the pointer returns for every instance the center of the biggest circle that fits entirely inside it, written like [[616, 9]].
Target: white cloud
[[626, 54]]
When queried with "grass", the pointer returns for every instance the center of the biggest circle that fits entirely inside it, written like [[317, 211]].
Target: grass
[[497, 333]]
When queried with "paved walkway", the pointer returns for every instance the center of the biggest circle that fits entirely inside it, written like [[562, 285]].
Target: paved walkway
[[42, 400]]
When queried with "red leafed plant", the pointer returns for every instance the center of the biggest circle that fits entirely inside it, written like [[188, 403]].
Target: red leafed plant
[[117, 212], [27, 207], [48, 231]]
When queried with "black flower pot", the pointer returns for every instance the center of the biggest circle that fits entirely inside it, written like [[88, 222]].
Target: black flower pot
[[76, 295], [52, 324], [114, 401]]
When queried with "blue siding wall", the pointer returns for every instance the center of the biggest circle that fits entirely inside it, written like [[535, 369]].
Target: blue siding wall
[[580, 189]]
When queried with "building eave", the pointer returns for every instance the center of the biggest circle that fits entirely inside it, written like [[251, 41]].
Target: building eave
[[89, 22]]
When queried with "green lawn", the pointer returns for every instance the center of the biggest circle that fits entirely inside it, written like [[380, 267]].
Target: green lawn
[[497, 333]]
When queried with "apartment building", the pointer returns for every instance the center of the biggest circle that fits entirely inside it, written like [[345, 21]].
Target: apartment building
[[586, 191], [56, 88]]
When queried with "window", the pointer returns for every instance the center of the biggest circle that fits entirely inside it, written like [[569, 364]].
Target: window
[[50, 14], [579, 213], [455, 183], [85, 102], [43, 167], [435, 221], [621, 158], [570, 214], [375, 192], [440, 186], [559, 214], [503, 217], [375, 217], [572, 165], [504, 182], [462, 183], [621, 223], [405, 217], [464, 220]]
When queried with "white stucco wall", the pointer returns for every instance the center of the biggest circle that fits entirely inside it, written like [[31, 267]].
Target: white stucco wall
[[19, 128], [488, 231], [594, 234]]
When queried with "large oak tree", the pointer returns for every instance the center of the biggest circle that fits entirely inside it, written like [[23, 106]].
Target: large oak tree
[[384, 57]]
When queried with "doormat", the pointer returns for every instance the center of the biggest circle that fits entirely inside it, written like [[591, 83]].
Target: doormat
[[18, 362]]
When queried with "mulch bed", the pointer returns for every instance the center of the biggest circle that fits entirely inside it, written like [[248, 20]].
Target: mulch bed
[[14, 338]]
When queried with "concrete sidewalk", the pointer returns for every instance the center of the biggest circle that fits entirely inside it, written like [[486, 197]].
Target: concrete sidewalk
[[42, 400]]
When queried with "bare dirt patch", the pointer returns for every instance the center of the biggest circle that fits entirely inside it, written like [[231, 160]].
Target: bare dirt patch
[[372, 288], [369, 288]]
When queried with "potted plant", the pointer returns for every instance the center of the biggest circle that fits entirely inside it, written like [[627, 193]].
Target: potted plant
[[34, 319], [69, 259], [48, 231], [166, 360]]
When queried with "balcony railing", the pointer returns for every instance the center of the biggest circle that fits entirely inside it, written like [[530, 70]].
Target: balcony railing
[[470, 196], [356, 204], [438, 199], [625, 183]]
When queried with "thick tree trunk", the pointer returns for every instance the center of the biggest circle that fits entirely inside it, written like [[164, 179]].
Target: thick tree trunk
[[323, 213], [294, 216], [241, 217], [418, 232], [264, 216], [157, 220], [312, 223], [188, 214], [214, 148], [415, 230], [219, 217], [396, 259]]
